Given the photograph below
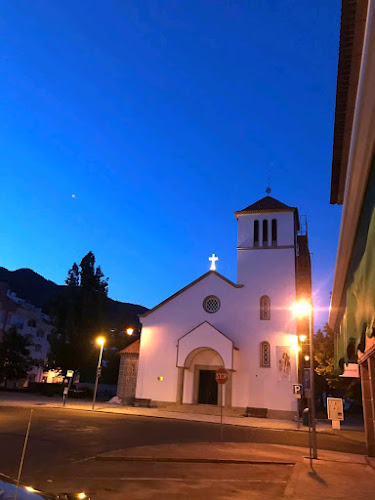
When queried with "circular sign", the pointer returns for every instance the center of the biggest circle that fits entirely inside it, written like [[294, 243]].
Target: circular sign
[[221, 376]]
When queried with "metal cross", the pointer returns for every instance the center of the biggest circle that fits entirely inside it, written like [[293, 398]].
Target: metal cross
[[213, 260]]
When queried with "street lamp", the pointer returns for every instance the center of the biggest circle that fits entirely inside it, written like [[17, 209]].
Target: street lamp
[[302, 309], [129, 331], [100, 341]]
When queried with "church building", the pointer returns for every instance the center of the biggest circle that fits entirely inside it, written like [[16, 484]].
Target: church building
[[246, 326]]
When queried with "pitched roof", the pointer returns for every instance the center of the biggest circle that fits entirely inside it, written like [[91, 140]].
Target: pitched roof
[[266, 204], [186, 288], [132, 348]]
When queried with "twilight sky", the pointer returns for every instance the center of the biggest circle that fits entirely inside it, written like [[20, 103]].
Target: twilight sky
[[162, 118]]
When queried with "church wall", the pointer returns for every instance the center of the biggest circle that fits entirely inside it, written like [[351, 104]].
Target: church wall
[[162, 329], [269, 271]]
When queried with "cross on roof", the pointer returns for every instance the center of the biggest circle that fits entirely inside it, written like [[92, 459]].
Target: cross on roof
[[213, 260]]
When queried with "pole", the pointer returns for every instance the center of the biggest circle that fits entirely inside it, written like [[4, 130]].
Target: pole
[[314, 453], [221, 414], [97, 375], [66, 395], [23, 455]]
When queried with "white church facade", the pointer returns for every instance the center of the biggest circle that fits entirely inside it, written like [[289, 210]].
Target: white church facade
[[246, 327]]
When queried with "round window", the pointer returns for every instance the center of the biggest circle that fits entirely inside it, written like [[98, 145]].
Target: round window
[[211, 304]]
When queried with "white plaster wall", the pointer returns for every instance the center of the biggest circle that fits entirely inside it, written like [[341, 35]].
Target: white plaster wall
[[164, 327], [206, 335]]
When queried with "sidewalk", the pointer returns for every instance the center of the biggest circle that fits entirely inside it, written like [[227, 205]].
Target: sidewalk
[[354, 433], [333, 476], [252, 470]]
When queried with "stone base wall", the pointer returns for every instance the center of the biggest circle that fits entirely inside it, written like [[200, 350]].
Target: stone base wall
[[127, 377]]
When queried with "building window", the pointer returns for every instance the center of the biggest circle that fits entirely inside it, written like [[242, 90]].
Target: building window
[[265, 307], [256, 233], [265, 355], [265, 233], [211, 304], [274, 232]]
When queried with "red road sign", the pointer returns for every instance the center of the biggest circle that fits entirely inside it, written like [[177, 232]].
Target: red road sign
[[221, 376]]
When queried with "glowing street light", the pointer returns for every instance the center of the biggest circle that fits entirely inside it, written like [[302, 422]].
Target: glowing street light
[[100, 341], [304, 309], [302, 338], [307, 357], [129, 331]]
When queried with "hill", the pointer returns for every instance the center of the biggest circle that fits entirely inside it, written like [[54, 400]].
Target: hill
[[34, 288]]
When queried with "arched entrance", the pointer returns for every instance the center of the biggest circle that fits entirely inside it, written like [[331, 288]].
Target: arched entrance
[[197, 383]]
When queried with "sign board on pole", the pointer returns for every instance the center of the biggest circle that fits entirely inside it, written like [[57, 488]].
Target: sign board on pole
[[306, 378], [335, 409], [70, 373], [221, 376], [298, 390]]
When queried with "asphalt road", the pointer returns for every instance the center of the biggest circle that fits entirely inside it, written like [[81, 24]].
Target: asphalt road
[[62, 441]]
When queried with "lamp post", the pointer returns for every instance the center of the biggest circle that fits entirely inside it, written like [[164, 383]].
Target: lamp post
[[302, 309], [100, 341]]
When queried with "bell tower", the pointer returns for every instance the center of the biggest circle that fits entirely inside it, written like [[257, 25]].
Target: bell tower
[[266, 241]]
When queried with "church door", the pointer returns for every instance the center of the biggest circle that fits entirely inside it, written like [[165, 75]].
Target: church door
[[207, 387]]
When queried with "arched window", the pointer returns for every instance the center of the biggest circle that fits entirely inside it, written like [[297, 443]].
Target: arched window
[[265, 355], [274, 232], [265, 233], [265, 307], [256, 233]]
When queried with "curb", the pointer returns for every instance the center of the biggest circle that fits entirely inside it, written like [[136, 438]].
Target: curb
[[115, 458]]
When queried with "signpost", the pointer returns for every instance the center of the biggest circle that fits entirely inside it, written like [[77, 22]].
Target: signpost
[[298, 390], [69, 375], [335, 410], [221, 378]]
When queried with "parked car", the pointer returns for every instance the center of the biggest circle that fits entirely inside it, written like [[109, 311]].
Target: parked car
[[8, 489]]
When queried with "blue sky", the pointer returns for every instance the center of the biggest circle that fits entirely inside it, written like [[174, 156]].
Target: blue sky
[[162, 118]]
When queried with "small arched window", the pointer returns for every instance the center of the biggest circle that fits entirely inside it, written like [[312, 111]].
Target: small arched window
[[256, 233], [265, 307], [274, 232], [265, 355], [265, 233]]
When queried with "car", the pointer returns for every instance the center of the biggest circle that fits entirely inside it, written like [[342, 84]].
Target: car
[[10, 491]]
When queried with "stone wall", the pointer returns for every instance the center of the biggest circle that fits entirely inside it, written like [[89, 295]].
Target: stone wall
[[127, 378]]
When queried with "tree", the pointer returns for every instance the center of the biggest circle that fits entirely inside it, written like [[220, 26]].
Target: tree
[[79, 315], [329, 380], [15, 359]]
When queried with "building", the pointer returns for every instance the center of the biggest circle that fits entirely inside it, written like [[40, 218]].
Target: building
[[352, 314], [29, 320], [245, 326]]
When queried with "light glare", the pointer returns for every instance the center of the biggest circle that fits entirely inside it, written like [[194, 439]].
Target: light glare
[[301, 309], [100, 340], [130, 331]]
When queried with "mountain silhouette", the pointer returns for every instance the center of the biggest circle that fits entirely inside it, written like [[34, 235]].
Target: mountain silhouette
[[37, 290]]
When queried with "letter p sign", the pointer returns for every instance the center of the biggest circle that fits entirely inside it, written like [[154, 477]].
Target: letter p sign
[[297, 390]]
